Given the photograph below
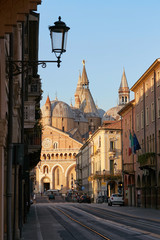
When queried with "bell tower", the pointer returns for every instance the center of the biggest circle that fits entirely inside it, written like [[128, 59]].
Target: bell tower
[[47, 118], [124, 92]]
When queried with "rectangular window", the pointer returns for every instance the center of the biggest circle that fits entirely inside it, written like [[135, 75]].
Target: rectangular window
[[112, 145], [150, 144], [152, 111], [158, 108], [142, 94], [125, 127], [142, 120], [147, 115], [137, 97], [99, 141], [146, 90], [153, 142], [130, 121], [111, 166], [152, 84], [147, 144], [126, 153], [158, 79], [142, 146], [137, 122]]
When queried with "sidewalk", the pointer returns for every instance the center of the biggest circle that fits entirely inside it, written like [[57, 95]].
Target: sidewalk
[[30, 227], [31, 230], [147, 213]]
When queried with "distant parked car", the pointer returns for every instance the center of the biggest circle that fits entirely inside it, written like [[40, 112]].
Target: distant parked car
[[84, 199], [116, 199]]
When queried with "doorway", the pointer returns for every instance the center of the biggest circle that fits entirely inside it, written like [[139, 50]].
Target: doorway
[[46, 186]]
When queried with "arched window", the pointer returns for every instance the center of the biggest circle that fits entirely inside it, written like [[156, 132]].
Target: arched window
[[57, 176], [122, 99], [126, 99], [55, 145], [71, 179], [99, 141], [45, 169]]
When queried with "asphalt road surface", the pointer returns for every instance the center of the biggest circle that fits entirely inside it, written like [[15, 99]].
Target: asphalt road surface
[[81, 221]]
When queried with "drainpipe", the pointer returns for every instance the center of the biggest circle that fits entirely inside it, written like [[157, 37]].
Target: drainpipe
[[15, 192], [22, 139], [155, 119], [144, 119], [133, 164], [144, 134], [122, 157], [10, 146]]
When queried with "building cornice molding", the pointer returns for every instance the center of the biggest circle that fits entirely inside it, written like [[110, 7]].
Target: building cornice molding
[[12, 12]]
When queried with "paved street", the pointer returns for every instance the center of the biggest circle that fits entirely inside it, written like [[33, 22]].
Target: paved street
[[57, 219]]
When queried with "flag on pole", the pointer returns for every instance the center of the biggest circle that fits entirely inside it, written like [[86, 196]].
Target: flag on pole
[[130, 144], [136, 143]]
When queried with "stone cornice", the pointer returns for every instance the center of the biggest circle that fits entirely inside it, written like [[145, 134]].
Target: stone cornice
[[13, 11]]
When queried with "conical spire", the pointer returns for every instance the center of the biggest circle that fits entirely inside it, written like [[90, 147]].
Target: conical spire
[[85, 81], [124, 83], [47, 114], [79, 84], [48, 100], [124, 92]]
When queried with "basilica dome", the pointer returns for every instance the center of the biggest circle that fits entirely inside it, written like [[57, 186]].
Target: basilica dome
[[62, 109], [112, 114]]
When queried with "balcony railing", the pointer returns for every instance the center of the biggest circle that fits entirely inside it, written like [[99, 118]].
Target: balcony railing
[[128, 168], [147, 160], [74, 150], [108, 176], [112, 151]]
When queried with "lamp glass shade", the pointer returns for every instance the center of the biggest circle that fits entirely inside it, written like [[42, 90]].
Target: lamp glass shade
[[58, 34]]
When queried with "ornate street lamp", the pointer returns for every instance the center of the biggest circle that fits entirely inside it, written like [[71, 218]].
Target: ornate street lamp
[[58, 34]]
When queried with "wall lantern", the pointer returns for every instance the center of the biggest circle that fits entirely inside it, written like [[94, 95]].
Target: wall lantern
[[58, 34]]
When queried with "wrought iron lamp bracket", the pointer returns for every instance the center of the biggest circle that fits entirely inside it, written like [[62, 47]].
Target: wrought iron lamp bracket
[[18, 67]]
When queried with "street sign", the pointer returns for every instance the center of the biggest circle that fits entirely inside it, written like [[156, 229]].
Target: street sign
[[103, 186]]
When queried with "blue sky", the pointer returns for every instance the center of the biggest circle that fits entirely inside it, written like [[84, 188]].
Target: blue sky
[[109, 35]]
